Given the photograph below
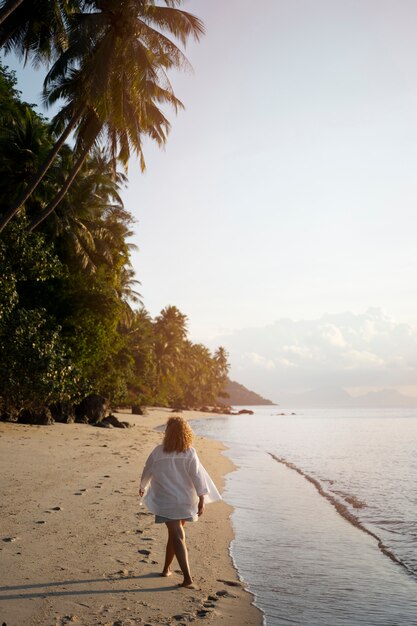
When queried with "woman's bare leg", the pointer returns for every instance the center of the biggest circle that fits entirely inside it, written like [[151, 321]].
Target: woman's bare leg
[[176, 533], [169, 556]]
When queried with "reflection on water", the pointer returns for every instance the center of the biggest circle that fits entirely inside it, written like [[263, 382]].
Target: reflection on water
[[304, 562]]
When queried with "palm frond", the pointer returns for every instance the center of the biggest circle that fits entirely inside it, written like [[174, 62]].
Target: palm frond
[[180, 24]]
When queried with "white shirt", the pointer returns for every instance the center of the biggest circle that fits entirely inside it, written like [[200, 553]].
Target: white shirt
[[173, 482]]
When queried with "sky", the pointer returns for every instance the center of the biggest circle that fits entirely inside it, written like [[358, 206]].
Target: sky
[[359, 353], [286, 193]]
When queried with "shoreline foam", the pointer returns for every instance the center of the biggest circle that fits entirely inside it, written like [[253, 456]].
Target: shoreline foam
[[344, 511], [81, 550]]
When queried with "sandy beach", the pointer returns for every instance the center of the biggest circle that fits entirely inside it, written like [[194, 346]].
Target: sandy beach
[[76, 547]]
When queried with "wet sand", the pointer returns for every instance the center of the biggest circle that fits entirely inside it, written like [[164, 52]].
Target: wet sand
[[76, 547]]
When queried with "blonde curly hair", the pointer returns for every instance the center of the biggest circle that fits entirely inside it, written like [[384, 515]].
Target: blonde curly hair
[[178, 435]]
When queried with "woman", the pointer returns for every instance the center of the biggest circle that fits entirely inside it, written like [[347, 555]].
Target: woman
[[176, 488]]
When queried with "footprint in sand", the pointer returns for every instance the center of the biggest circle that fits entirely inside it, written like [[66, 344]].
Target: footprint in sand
[[41, 521], [56, 508], [122, 572], [231, 583], [212, 598], [67, 619], [225, 594], [145, 552]]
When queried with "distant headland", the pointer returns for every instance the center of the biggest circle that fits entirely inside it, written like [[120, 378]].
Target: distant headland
[[238, 395]]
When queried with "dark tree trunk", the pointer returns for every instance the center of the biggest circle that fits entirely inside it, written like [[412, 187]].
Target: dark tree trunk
[[36, 179], [4, 14], [70, 179]]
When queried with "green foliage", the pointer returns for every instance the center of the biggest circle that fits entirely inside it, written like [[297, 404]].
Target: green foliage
[[91, 329], [183, 373], [81, 340], [25, 258], [36, 29], [36, 368], [35, 362], [67, 289], [9, 95], [25, 139], [139, 338]]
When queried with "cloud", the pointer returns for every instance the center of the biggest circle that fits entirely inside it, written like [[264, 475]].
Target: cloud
[[296, 354], [362, 358], [332, 335], [349, 350], [257, 361]]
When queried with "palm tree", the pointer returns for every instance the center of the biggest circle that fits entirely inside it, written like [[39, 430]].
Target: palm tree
[[24, 142], [196, 374], [7, 9], [91, 222], [35, 29], [140, 340], [221, 359], [91, 229], [221, 371], [39, 174], [122, 132], [170, 335], [113, 78]]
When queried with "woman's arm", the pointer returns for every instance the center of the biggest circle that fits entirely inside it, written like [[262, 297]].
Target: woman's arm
[[197, 476], [146, 474], [200, 510]]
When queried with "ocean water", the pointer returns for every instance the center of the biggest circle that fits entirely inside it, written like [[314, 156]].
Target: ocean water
[[325, 513]]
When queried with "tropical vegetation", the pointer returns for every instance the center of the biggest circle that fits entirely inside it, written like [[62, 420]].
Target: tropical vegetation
[[71, 320]]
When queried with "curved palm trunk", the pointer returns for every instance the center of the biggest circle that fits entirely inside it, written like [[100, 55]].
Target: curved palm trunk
[[9, 10], [70, 179], [34, 182]]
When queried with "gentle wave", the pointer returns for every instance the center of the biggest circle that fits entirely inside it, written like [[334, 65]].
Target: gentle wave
[[352, 500], [343, 510]]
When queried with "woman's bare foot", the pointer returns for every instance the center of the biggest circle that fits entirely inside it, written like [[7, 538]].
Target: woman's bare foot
[[188, 584], [166, 573]]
